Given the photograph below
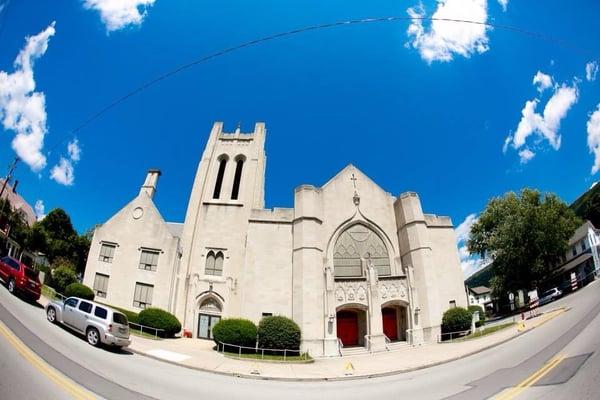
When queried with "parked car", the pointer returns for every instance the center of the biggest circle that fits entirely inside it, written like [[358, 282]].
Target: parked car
[[550, 295], [99, 323], [20, 279]]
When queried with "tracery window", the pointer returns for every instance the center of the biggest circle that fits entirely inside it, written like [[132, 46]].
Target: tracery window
[[214, 263], [355, 244]]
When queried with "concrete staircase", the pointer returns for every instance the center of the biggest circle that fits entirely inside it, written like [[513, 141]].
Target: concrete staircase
[[360, 350], [354, 351]]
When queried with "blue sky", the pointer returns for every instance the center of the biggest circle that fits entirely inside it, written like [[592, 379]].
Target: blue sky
[[422, 106]]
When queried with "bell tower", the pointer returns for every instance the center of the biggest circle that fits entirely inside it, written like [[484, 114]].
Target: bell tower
[[229, 183]]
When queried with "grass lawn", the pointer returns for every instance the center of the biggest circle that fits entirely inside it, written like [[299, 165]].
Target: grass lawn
[[487, 331], [270, 357]]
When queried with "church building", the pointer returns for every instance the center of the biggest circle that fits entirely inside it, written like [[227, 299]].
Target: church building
[[352, 264]]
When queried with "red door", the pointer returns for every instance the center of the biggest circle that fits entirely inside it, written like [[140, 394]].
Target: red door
[[347, 327], [390, 323]]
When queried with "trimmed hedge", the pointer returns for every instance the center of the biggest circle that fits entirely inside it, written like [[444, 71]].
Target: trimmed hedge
[[279, 332], [62, 277], [456, 319], [131, 315], [237, 331], [79, 290], [160, 319], [472, 310]]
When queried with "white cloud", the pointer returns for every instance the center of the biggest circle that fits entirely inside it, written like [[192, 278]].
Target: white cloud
[[117, 14], [593, 139], [444, 39], [21, 108], [74, 150], [542, 80], [469, 263], [591, 70], [547, 124], [526, 155], [63, 172], [504, 4], [464, 229], [40, 210]]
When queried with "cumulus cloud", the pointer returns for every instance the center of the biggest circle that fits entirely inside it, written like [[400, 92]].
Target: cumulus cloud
[[593, 138], [63, 172], [469, 263], [22, 109], [591, 70], [444, 39], [40, 210], [504, 4], [546, 125], [542, 81], [117, 14], [526, 155], [74, 150]]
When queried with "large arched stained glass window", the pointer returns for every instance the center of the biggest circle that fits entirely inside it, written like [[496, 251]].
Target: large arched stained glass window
[[356, 243]]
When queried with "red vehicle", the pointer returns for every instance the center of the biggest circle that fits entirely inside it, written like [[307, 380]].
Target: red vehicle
[[20, 278]]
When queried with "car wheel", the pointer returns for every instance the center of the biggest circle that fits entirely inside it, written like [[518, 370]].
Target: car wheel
[[51, 314], [93, 337], [12, 286]]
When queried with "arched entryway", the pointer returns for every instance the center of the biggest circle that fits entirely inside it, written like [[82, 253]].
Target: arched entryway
[[394, 320], [208, 316], [351, 326]]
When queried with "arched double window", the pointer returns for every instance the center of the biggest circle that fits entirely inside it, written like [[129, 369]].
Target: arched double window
[[237, 178], [356, 244], [214, 263], [220, 175]]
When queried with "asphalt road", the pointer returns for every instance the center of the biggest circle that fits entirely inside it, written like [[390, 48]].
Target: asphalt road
[[569, 341]]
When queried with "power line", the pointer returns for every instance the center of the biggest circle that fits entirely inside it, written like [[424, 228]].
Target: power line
[[168, 74]]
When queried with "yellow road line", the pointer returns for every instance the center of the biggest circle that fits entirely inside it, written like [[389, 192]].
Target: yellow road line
[[59, 379], [531, 380]]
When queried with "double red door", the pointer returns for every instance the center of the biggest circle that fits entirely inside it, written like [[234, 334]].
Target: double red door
[[347, 327], [390, 323]]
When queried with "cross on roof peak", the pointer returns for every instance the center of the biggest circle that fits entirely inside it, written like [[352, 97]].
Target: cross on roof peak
[[353, 179]]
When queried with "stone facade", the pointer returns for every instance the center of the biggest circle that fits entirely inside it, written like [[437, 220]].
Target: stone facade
[[350, 263]]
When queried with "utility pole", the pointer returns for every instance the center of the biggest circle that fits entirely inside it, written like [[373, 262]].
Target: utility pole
[[11, 169]]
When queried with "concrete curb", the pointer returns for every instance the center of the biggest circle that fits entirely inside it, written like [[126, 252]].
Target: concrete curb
[[350, 377]]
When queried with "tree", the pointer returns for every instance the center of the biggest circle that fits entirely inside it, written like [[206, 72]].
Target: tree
[[525, 235], [592, 209]]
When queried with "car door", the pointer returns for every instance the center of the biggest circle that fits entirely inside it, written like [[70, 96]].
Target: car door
[[82, 314], [3, 268], [69, 311]]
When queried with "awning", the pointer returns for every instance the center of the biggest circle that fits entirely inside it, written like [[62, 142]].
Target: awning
[[574, 262]]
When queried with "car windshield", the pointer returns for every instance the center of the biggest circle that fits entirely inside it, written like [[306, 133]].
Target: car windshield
[[119, 319], [30, 273]]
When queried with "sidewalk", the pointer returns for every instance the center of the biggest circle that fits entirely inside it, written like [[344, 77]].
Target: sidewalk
[[198, 354]]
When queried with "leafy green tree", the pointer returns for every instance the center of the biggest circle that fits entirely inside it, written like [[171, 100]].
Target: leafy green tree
[[62, 277], [592, 210], [525, 235]]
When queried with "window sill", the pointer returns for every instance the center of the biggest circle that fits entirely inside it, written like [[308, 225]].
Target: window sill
[[232, 203]]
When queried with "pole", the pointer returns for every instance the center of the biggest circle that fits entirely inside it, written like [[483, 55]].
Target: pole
[[11, 169]]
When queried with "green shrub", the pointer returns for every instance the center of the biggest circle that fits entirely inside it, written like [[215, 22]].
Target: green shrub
[[79, 290], [278, 332], [236, 331], [160, 319], [472, 310], [456, 319], [62, 277], [132, 316]]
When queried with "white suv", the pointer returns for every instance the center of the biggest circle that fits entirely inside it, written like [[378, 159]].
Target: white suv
[[99, 323]]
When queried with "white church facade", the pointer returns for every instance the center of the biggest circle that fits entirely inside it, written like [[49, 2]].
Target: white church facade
[[350, 263]]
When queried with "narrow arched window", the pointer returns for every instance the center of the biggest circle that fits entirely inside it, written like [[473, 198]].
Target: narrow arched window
[[210, 263], [237, 178], [220, 174]]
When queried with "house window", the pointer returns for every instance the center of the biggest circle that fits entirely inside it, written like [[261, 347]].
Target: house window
[[142, 297], [583, 246], [107, 252], [149, 259], [214, 263], [267, 314], [574, 251], [239, 165], [220, 174], [101, 285]]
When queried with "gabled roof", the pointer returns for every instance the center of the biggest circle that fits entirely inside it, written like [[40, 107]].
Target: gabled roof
[[358, 171]]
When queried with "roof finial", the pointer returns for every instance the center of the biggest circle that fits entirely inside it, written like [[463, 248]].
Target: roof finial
[[237, 130]]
